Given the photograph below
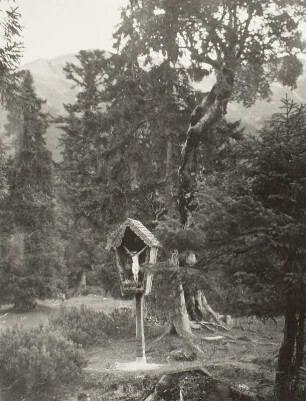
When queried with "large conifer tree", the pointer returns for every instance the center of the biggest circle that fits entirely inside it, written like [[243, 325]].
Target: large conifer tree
[[252, 211], [82, 171], [32, 266], [124, 124]]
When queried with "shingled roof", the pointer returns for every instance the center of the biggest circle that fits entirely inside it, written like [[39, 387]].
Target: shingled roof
[[115, 238]]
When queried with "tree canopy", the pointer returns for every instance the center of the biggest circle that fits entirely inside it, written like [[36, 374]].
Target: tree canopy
[[246, 44]]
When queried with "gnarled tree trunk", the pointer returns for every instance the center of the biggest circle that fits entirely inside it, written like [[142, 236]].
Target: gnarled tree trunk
[[204, 310], [202, 121], [180, 318]]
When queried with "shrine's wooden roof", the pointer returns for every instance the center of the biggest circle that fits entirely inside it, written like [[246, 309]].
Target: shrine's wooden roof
[[115, 238]]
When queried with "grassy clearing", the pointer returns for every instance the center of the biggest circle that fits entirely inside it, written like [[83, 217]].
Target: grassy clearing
[[45, 308], [247, 361]]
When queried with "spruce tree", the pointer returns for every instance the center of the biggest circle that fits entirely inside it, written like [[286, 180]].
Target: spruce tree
[[114, 142], [32, 266], [83, 169], [84, 136], [252, 216]]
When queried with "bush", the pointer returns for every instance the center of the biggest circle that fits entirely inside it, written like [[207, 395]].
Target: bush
[[35, 356], [89, 327], [123, 320]]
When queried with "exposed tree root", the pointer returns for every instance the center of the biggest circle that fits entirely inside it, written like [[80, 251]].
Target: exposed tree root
[[195, 325], [163, 335], [214, 338], [214, 324]]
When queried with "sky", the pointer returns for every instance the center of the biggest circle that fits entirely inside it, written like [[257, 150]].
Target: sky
[[57, 27], [54, 28]]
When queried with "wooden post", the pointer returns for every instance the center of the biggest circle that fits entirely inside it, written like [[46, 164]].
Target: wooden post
[[140, 338]]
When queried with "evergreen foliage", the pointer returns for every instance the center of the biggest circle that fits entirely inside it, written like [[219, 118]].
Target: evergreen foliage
[[82, 172], [10, 51], [84, 136], [114, 147], [251, 210], [119, 151], [252, 214], [32, 264]]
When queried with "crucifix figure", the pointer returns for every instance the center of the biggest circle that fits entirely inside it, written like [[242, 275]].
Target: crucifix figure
[[135, 261]]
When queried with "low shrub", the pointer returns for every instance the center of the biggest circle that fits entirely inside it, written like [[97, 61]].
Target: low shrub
[[123, 321], [93, 290], [36, 356], [89, 327]]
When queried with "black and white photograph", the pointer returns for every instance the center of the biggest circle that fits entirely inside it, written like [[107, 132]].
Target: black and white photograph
[[152, 200]]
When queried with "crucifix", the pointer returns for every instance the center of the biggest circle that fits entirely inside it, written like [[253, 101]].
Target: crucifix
[[139, 302], [128, 242], [135, 261]]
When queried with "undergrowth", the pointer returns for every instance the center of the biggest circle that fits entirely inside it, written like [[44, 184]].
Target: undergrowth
[[88, 327], [37, 356]]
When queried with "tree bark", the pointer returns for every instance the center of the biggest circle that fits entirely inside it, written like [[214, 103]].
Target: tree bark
[[169, 175], [204, 310], [80, 284], [300, 359], [199, 309], [284, 371], [180, 318], [203, 118]]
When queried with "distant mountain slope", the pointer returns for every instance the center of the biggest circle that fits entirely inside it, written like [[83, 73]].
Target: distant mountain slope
[[50, 81], [253, 117], [52, 85]]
